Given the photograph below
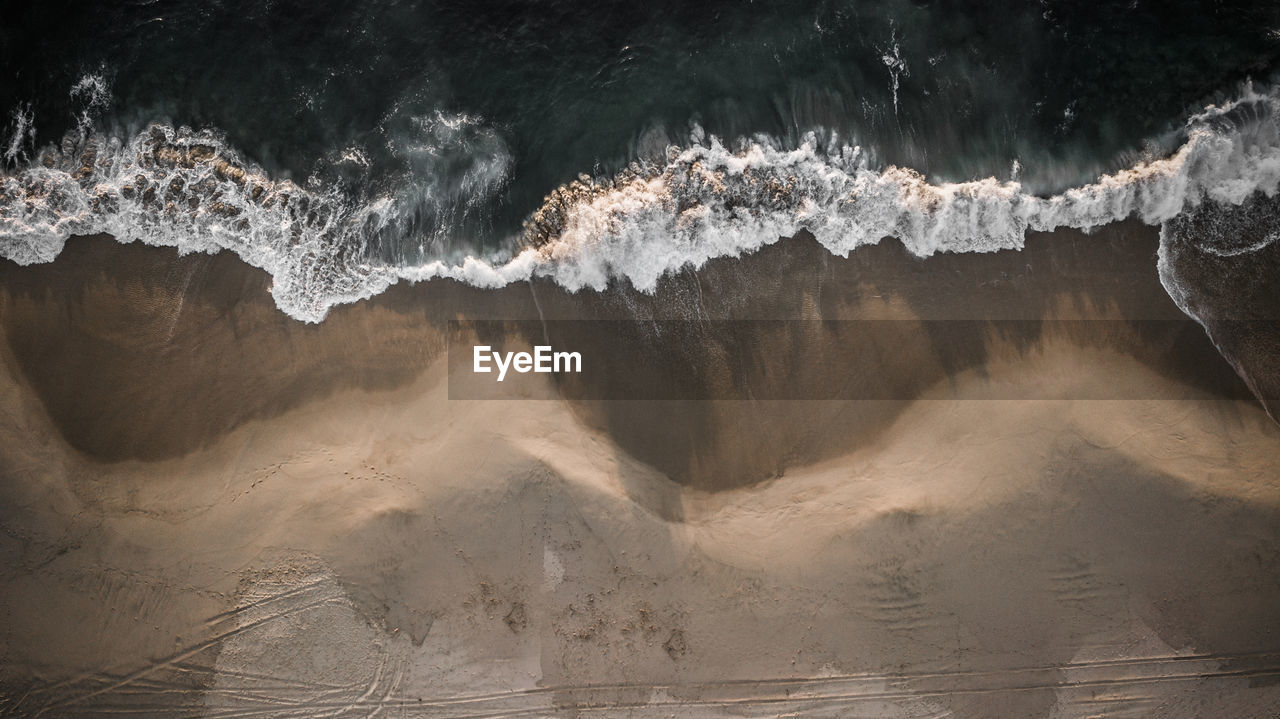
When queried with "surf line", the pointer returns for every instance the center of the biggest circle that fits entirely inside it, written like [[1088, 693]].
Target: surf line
[[544, 360]]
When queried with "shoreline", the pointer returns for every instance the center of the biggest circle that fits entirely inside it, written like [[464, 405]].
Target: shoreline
[[205, 328]]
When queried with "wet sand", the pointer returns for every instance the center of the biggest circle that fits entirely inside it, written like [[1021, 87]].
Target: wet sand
[[109, 335], [211, 509]]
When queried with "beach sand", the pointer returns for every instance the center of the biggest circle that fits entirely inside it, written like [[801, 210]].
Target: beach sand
[[210, 509]]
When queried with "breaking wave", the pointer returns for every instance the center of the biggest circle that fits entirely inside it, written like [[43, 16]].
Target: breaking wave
[[188, 189]]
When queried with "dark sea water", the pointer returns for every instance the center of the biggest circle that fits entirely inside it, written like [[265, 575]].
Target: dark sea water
[[343, 147]]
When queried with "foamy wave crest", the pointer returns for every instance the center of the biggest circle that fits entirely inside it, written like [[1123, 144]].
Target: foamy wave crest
[[188, 190], [708, 201]]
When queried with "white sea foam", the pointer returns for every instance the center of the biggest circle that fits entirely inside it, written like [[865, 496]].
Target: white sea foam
[[22, 132], [185, 189], [93, 93]]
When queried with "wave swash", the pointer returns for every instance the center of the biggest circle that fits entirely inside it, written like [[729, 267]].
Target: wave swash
[[190, 190]]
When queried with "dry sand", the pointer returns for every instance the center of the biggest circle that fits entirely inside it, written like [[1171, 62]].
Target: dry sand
[[212, 510]]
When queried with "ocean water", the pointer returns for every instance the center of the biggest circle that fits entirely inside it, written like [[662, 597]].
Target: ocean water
[[343, 149]]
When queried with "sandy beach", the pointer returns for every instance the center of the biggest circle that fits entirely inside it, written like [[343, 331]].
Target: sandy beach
[[211, 509]]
